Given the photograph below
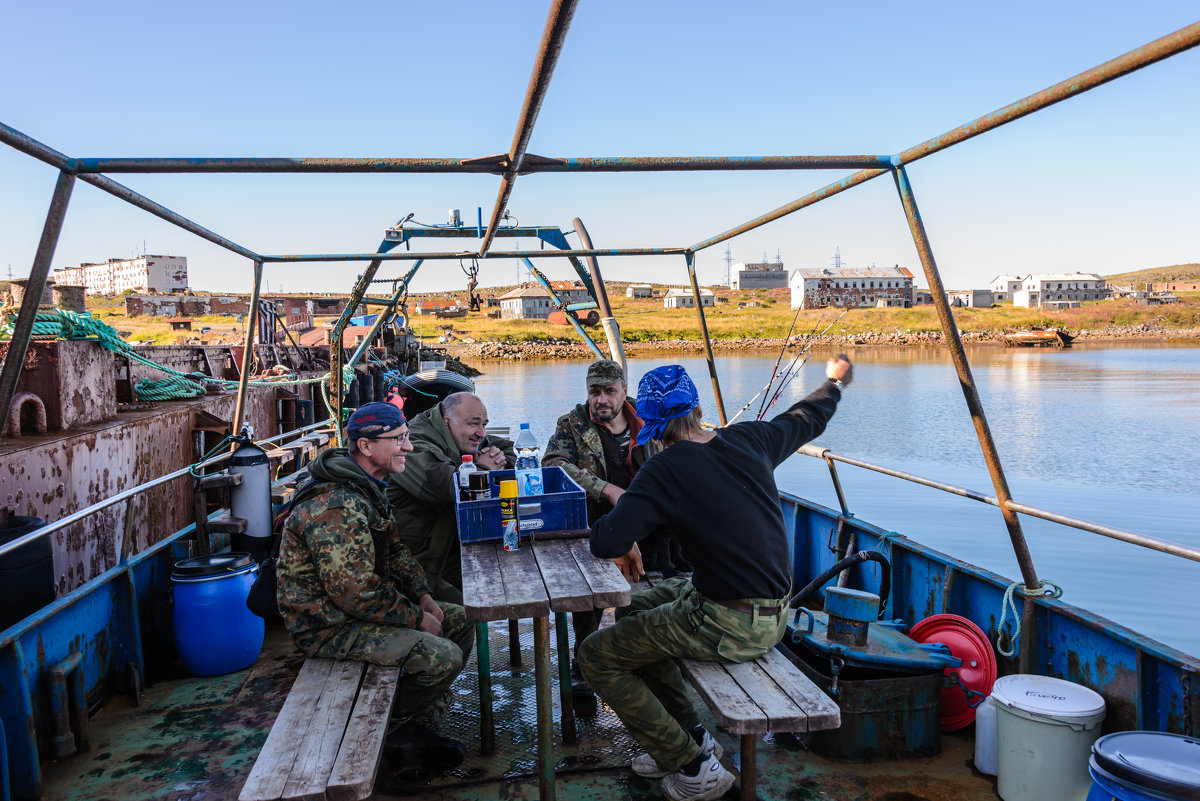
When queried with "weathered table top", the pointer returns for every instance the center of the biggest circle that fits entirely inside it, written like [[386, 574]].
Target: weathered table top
[[539, 578]]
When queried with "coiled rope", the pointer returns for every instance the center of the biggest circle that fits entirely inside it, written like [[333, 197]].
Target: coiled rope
[[1048, 589], [64, 324]]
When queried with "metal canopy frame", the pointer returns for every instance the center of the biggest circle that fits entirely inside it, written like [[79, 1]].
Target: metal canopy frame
[[517, 162]]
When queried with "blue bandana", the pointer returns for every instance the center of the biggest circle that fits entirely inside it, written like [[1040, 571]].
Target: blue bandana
[[664, 394]]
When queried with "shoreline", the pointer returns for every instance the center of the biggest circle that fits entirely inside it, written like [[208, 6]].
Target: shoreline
[[569, 349]]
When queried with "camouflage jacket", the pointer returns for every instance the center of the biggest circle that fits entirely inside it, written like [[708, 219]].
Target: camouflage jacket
[[575, 447], [422, 496], [327, 569]]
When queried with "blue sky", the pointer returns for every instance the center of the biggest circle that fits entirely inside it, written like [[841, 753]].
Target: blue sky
[[1104, 182]]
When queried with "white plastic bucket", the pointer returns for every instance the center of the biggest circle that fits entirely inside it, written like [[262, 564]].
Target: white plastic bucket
[[1045, 730], [985, 737]]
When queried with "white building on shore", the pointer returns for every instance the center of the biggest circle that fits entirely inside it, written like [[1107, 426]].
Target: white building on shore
[[1051, 289], [148, 273]]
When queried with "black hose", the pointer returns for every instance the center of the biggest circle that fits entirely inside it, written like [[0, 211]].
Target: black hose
[[885, 583]]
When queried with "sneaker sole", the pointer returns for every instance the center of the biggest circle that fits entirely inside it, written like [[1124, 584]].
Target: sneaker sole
[[716, 791], [717, 753]]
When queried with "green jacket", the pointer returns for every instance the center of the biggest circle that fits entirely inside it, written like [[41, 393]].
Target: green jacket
[[575, 447], [329, 572], [422, 496]]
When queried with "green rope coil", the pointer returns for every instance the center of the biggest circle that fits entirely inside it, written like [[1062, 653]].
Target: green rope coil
[[171, 388], [1047, 588]]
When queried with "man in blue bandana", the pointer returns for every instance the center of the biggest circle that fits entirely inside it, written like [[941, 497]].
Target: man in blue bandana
[[716, 491]]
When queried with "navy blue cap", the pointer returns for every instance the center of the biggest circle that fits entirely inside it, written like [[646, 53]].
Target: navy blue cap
[[374, 419]]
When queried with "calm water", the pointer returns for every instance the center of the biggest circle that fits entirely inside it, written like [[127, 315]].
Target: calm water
[[1110, 435]]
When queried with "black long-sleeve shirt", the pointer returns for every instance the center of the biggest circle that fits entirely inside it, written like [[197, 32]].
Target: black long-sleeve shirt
[[720, 500]]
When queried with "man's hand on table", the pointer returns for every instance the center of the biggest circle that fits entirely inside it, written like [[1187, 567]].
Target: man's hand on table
[[490, 458], [630, 565]]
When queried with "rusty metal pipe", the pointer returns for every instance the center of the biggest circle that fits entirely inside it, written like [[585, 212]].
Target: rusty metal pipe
[[18, 345], [545, 715], [708, 351], [487, 165], [554, 35], [248, 353], [32, 147], [966, 380], [336, 386], [612, 330], [511, 254]]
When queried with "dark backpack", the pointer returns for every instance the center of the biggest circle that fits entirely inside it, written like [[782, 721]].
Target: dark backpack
[[261, 599]]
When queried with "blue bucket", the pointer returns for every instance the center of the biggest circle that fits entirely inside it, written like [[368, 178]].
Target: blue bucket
[[214, 631], [1145, 766]]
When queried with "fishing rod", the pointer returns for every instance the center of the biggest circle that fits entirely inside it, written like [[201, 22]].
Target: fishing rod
[[773, 372], [779, 358], [793, 370]]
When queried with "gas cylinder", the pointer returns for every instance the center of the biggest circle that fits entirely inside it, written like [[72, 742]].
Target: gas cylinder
[[251, 500]]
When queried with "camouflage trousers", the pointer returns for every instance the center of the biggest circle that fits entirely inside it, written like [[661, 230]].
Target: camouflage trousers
[[428, 664], [632, 665]]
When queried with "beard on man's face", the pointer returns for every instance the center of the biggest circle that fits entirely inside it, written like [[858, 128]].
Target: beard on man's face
[[602, 414]]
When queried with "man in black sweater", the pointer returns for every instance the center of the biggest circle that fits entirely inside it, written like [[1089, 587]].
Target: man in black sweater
[[716, 490]]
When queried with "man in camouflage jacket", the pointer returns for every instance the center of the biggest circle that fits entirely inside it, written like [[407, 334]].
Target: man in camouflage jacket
[[596, 444], [349, 589], [422, 496]]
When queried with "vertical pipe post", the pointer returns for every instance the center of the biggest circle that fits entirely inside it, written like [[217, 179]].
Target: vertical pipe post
[[545, 733], [514, 644], [970, 392], [612, 331], [248, 354], [18, 346], [690, 258], [483, 657], [336, 386], [565, 700], [749, 777]]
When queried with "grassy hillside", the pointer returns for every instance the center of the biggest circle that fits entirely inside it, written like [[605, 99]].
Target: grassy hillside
[[1177, 272]]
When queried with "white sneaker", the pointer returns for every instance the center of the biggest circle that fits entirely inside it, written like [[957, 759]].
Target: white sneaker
[[710, 783], [645, 766]]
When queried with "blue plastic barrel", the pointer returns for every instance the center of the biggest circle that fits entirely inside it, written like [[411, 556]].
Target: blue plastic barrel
[[214, 631], [1145, 766]]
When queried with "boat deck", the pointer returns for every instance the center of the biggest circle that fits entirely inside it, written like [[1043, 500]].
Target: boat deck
[[197, 739]]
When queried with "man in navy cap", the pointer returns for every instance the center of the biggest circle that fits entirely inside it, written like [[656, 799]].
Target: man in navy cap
[[348, 588], [716, 490]]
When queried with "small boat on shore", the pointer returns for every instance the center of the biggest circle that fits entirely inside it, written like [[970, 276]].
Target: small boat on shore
[[1039, 338]]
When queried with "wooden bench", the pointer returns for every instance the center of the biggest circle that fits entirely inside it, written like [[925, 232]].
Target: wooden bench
[[328, 739], [750, 699]]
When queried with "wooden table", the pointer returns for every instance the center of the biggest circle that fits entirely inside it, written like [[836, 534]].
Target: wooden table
[[556, 576]]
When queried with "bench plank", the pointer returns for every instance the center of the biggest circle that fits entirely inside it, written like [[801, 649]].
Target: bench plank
[[823, 712], [319, 747], [609, 587], [483, 589], [781, 712], [274, 764], [727, 700], [562, 576], [354, 771]]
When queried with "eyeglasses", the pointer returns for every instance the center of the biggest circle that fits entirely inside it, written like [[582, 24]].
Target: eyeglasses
[[401, 437]]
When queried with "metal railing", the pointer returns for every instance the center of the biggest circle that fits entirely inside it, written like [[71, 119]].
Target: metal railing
[[87, 511], [1133, 538]]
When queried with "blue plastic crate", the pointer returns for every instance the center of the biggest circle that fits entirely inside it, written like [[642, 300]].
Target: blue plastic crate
[[563, 508]]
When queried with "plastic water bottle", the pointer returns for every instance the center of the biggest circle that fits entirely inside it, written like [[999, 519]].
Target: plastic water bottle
[[529, 467], [464, 477]]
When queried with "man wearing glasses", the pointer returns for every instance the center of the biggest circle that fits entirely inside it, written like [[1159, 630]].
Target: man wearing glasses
[[350, 589]]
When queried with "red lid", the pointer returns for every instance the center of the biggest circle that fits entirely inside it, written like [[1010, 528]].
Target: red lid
[[978, 672]]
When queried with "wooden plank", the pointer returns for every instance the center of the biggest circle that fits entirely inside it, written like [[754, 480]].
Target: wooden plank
[[524, 591], [227, 524], [483, 589], [354, 771], [317, 751], [725, 697], [609, 587], [565, 583], [823, 712], [274, 765], [782, 713]]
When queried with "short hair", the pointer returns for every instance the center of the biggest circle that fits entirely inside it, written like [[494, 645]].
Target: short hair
[[680, 428], [453, 401]]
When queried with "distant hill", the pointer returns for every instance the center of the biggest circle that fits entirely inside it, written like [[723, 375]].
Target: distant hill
[[1177, 272]]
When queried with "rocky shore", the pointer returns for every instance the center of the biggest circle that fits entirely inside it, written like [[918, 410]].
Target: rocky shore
[[570, 349]]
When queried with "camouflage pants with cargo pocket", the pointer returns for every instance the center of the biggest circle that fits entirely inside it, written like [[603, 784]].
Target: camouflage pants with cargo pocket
[[428, 664], [632, 665]]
